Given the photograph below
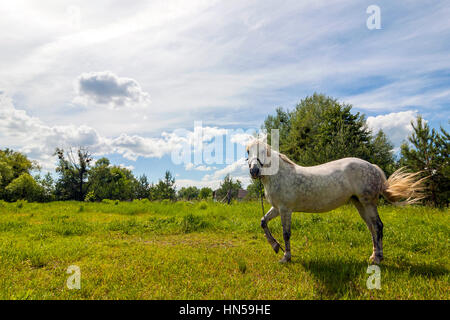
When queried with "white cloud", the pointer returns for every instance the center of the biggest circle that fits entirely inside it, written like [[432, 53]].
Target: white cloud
[[205, 168], [130, 167], [242, 138], [229, 61], [237, 168], [39, 140], [132, 147], [105, 88], [190, 166], [180, 183], [399, 95], [396, 125]]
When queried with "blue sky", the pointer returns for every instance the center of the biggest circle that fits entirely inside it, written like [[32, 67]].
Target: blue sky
[[125, 79]]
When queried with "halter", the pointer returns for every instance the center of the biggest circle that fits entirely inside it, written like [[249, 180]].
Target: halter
[[260, 182], [257, 159]]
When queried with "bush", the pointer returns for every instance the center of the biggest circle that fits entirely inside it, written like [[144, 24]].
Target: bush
[[20, 203], [90, 197], [242, 266], [192, 223], [24, 187], [203, 205]]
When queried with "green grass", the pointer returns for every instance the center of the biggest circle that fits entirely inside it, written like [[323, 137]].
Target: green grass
[[153, 250]]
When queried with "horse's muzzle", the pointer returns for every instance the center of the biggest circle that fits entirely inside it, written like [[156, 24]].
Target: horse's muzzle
[[254, 172]]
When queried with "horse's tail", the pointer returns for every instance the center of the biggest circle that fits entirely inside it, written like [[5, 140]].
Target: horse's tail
[[404, 188]]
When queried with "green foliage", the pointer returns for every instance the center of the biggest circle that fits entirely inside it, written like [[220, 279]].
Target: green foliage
[[48, 187], [320, 129], [164, 189], [428, 152], [205, 193], [203, 205], [24, 187], [73, 173], [15, 176], [111, 182], [255, 188], [242, 266], [191, 223], [228, 189], [90, 196], [142, 187], [381, 153], [281, 121], [188, 193]]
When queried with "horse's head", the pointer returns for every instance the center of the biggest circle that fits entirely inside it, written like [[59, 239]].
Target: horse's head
[[258, 157]]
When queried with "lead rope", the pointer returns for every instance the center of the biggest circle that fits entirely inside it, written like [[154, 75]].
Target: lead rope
[[262, 195], [262, 202]]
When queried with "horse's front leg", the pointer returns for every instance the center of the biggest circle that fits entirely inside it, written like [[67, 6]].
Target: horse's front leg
[[272, 213], [286, 216]]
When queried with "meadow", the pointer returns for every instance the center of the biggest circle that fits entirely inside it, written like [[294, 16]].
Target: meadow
[[207, 250]]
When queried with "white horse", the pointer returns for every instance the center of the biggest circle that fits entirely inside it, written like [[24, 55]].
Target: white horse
[[325, 187]]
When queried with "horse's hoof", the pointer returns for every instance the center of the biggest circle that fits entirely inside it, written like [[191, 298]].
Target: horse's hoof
[[375, 259], [285, 259], [276, 247]]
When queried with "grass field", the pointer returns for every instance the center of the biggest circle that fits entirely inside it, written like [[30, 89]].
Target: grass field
[[205, 250]]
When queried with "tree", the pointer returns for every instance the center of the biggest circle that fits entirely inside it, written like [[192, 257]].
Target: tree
[[15, 169], [111, 182], [320, 129], [281, 121], [24, 187], [164, 189], [428, 152], [254, 189], [228, 189], [142, 187], [48, 187], [73, 174], [381, 153], [205, 193], [188, 193]]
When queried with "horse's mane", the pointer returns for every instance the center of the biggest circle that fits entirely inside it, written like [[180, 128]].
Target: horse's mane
[[286, 159], [282, 156], [257, 141]]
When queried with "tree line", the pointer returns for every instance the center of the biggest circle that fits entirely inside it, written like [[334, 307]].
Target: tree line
[[80, 178], [319, 129]]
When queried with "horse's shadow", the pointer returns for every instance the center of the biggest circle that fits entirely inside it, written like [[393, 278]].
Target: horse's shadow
[[340, 277]]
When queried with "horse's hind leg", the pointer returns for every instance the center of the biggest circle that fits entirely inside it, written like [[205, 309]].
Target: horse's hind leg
[[272, 213], [369, 213]]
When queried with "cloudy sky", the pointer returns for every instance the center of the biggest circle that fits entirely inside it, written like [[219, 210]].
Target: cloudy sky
[[129, 80]]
